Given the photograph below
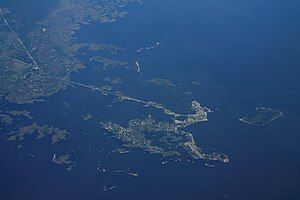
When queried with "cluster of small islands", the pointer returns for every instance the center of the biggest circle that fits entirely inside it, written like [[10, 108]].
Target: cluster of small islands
[[39, 65]]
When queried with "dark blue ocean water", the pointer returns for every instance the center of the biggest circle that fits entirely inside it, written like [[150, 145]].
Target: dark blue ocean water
[[243, 54]]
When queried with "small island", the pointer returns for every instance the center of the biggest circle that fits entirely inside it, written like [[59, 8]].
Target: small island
[[261, 116]]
